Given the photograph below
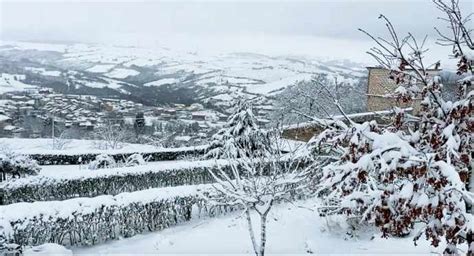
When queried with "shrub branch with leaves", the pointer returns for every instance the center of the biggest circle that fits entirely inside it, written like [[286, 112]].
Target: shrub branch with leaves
[[415, 173]]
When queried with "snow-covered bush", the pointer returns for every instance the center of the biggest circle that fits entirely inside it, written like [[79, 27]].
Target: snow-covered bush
[[6, 246], [134, 160], [16, 165], [417, 170], [102, 161]]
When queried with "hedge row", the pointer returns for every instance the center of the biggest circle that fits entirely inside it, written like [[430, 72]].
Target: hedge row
[[89, 221], [67, 159], [42, 188], [108, 182]]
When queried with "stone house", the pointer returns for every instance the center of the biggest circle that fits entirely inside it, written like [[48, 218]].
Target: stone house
[[380, 85]]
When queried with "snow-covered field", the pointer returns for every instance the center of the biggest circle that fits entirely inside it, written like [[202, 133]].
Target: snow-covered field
[[13, 82], [162, 82], [122, 73], [65, 172], [293, 229], [45, 146]]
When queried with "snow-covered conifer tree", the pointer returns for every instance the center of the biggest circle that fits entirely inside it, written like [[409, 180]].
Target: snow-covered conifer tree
[[419, 169], [240, 135]]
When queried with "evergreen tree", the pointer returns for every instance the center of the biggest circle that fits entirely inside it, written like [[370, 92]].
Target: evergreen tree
[[139, 124], [240, 136]]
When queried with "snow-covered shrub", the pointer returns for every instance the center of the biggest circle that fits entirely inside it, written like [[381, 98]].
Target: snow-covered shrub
[[102, 161], [417, 170], [10, 249], [16, 165], [134, 160]]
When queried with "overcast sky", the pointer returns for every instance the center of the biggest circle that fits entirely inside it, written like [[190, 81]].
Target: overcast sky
[[324, 28]]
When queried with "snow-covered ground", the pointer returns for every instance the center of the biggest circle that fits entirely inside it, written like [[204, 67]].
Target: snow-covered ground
[[122, 73], [100, 68], [80, 171], [292, 229], [13, 82], [162, 82], [43, 71], [45, 146]]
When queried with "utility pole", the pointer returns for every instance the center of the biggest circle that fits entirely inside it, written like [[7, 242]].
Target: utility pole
[[52, 129]]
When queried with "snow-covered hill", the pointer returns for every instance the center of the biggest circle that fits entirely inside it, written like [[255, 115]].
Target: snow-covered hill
[[152, 73]]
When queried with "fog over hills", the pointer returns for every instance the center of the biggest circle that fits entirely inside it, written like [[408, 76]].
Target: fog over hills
[[268, 27]]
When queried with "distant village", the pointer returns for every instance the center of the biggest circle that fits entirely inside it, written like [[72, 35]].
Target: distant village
[[40, 112]]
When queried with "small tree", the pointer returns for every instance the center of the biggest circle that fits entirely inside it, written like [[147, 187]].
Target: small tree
[[260, 175], [139, 124], [110, 136], [62, 141], [416, 170]]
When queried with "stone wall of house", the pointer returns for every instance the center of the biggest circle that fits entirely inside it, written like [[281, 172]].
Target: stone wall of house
[[378, 103], [379, 85]]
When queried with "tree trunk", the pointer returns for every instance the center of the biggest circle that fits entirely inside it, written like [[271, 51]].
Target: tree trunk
[[263, 233], [251, 233], [470, 243]]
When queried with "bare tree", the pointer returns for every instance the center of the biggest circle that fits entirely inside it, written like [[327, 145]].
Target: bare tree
[[60, 142], [110, 136], [308, 99], [259, 177]]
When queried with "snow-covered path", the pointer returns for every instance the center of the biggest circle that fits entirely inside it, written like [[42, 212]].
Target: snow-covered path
[[293, 229]]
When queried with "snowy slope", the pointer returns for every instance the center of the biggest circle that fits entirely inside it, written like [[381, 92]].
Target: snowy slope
[[208, 76], [13, 82], [122, 73], [162, 82]]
